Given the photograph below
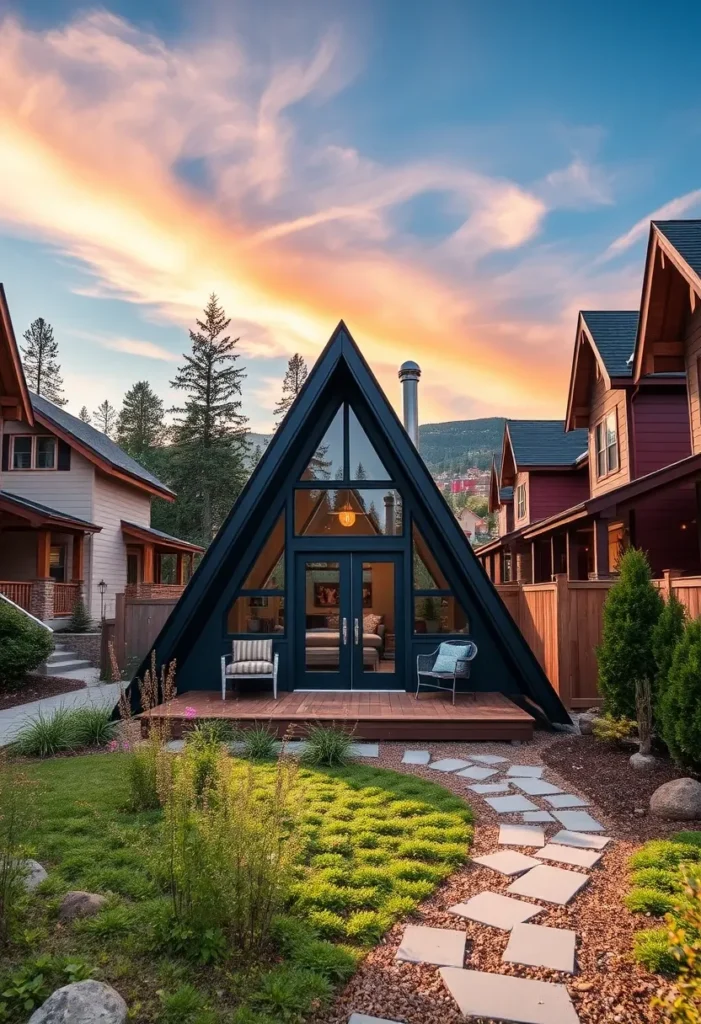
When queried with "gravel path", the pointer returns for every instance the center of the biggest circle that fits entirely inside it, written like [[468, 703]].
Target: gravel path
[[608, 988]]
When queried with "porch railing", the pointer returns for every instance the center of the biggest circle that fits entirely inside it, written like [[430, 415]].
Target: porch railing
[[65, 598], [19, 593], [151, 591]]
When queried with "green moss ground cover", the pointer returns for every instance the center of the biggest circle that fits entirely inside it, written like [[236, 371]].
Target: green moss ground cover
[[374, 844], [658, 889]]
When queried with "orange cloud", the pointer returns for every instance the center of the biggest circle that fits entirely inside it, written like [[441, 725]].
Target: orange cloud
[[94, 119]]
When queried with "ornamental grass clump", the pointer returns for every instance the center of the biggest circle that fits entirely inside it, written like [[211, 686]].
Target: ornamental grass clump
[[327, 746]]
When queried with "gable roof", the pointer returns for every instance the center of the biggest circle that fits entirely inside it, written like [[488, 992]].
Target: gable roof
[[341, 366], [12, 381], [685, 236], [613, 332], [545, 443], [96, 446]]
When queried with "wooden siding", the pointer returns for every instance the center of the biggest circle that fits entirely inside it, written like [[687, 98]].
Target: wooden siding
[[603, 401], [550, 493], [69, 491], [506, 519], [113, 501], [659, 430], [692, 353]]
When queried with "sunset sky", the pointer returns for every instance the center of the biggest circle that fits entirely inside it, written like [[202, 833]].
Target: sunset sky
[[454, 179]]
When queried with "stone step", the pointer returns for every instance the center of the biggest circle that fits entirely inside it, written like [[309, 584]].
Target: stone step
[[58, 657], [60, 668], [506, 998]]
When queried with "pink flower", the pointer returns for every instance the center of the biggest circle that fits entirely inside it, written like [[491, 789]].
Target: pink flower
[[190, 712], [112, 746]]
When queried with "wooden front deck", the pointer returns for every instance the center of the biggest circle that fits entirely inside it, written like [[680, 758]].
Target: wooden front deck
[[371, 716]]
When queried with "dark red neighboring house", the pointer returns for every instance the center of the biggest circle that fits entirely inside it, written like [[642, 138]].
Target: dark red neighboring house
[[634, 389]]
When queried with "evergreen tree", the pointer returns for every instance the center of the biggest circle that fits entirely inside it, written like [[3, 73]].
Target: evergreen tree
[[40, 361], [626, 653], [295, 376], [84, 415], [679, 710], [208, 455], [105, 418], [140, 427]]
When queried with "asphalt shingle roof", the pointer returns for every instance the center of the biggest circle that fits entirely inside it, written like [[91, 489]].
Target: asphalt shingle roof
[[506, 494], [95, 440], [46, 510], [614, 333], [545, 443], [160, 535], [685, 236]]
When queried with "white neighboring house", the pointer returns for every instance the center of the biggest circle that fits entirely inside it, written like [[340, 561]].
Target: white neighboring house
[[472, 525], [75, 510]]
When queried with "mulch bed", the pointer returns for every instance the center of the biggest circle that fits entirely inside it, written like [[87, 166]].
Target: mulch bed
[[602, 771], [36, 688]]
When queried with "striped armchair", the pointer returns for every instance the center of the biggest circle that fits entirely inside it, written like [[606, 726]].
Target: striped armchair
[[249, 659]]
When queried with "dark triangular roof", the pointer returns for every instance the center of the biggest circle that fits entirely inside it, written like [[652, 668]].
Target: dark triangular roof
[[685, 236], [613, 332], [545, 443], [291, 446]]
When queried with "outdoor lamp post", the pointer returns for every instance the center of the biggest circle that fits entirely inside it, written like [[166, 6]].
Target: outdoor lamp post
[[102, 587]]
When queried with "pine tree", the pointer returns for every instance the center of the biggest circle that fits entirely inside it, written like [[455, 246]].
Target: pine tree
[[105, 418], [41, 367], [208, 456], [295, 376], [84, 415], [140, 426]]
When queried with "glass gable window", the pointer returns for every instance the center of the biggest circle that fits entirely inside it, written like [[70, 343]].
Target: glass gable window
[[347, 512], [327, 461], [345, 452], [260, 605], [436, 610], [364, 462]]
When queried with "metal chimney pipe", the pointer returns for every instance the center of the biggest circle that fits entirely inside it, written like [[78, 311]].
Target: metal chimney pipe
[[389, 514], [409, 373]]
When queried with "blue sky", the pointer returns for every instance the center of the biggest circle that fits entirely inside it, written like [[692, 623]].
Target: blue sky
[[455, 180]]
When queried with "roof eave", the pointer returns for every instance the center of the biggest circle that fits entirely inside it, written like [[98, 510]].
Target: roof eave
[[8, 330]]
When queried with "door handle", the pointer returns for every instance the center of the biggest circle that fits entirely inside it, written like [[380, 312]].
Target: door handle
[[357, 631], [345, 632]]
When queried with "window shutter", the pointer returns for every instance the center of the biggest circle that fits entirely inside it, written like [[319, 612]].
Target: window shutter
[[6, 452], [64, 456]]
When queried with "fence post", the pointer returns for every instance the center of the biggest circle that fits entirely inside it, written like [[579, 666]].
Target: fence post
[[563, 684], [667, 576], [119, 629]]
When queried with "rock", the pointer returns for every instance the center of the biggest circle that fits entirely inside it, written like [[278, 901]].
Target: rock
[[642, 761], [586, 722], [34, 874], [80, 904], [678, 800], [83, 1002]]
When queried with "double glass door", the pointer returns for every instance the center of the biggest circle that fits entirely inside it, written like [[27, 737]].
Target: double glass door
[[346, 622]]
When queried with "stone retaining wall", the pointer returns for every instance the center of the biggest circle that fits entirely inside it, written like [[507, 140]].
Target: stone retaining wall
[[84, 645]]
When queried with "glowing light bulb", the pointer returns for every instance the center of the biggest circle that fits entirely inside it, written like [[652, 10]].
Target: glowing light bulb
[[346, 517]]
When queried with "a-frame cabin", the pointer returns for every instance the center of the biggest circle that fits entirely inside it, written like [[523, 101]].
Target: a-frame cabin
[[342, 550]]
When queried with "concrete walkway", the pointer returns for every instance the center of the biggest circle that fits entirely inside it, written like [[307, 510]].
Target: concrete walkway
[[12, 719]]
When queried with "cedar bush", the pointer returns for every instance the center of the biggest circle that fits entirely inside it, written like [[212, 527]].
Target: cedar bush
[[631, 611], [80, 619], [666, 634], [24, 644], [679, 709]]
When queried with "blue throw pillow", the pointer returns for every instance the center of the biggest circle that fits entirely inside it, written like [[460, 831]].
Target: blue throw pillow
[[448, 656]]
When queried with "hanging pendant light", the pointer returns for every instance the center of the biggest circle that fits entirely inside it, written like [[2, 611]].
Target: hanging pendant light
[[346, 516]]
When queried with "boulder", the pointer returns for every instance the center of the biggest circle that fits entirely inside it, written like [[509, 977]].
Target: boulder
[[586, 722], [642, 761], [80, 904], [33, 874], [678, 800], [83, 1002]]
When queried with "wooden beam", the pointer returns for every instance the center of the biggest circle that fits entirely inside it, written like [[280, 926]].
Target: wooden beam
[[662, 259], [147, 563], [180, 569], [601, 548], [43, 554], [668, 348], [692, 298], [78, 557], [571, 554]]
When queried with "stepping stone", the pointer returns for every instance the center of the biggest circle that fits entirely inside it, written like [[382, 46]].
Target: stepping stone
[[507, 862], [570, 855], [362, 1018], [444, 947], [365, 750], [566, 800], [538, 946], [449, 764], [496, 910], [537, 816], [526, 771], [488, 759], [579, 839], [521, 835], [505, 998], [476, 772], [510, 804], [535, 787], [175, 746], [580, 821], [414, 757], [491, 787], [554, 885]]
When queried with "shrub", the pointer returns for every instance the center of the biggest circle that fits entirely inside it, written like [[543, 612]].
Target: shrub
[[625, 655], [30, 985], [666, 634], [184, 1006], [327, 924], [288, 994], [684, 939], [367, 926], [679, 710], [80, 620], [612, 730], [326, 746], [657, 878], [46, 735], [664, 853], [24, 644], [651, 948], [259, 742], [649, 901]]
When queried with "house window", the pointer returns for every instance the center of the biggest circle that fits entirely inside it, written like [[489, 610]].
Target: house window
[[606, 443], [436, 610], [521, 501], [57, 563], [33, 452], [259, 606]]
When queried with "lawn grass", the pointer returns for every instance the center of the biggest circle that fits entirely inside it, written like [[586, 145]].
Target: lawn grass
[[373, 844]]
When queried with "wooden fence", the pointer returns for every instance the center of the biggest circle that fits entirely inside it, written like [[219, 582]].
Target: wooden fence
[[137, 623]]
